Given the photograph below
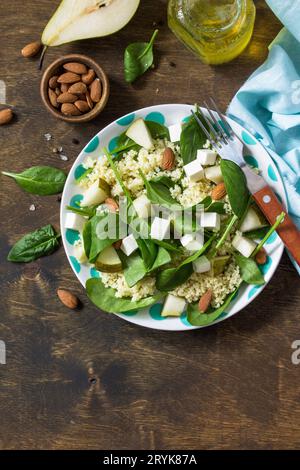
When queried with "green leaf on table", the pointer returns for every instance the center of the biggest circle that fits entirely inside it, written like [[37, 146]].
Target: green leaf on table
[[249, 270], [192, 138], [196, 318], [138, 58], [105, 298], [40, 180], [32, 246], [236, 187]]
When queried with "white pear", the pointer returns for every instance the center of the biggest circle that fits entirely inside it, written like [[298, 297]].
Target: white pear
[[82, 19], [140, 134], [96, 193], [173, 306]]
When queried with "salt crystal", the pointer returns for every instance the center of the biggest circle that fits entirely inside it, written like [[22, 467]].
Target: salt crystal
[[48, 137], [64, 158], [32, 208]]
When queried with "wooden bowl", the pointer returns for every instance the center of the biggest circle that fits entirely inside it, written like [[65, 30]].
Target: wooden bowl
[[55, 67]]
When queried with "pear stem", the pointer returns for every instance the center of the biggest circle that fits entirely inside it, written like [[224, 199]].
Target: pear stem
[[42, 57]]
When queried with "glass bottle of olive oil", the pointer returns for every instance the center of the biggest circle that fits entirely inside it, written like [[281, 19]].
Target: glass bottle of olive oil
[[216, 30]]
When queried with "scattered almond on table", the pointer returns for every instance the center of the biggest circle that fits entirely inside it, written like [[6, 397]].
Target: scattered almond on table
[[31, 49], [68, 299], [6, 116], [74, 91]]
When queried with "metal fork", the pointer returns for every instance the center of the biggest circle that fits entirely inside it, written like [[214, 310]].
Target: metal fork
[[228, 145]]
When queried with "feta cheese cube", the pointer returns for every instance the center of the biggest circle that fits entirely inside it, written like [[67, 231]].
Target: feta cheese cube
[[210, 220], [74, 221], [160, 228], [175, 132], [194, 170], [244, 245], [142, 206], [129, 245], [213, 173], [206, 156], [173, 306], [201, 265], [192, 241]]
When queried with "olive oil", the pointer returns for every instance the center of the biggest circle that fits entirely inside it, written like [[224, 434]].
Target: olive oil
[[216, 30]]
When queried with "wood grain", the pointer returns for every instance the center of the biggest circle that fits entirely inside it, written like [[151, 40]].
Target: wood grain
[[87, 380]]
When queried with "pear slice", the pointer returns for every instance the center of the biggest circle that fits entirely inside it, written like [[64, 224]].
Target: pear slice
[[109, 261], [96, 193], [140, 134], [253, 220], [82, 19]]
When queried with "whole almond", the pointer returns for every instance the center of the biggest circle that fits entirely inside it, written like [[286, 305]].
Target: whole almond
[[67, 98], [70, 110], [218, 192], [53, 82], [31, 49], [82, 106], [6, 116], [75, 67], [111, 204], [52, 98], [261, 256], [168, 159], [89, 77], [89, 101], [117, 245], [68, 298], [64, 87], [78, 88], [95, 90], [69, 77], [205, 301]]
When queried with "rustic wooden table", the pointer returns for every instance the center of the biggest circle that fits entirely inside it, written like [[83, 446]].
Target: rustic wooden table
[[88, 380]]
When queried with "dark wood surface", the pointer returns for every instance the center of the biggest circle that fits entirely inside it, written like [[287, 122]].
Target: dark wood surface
[[228, 386]]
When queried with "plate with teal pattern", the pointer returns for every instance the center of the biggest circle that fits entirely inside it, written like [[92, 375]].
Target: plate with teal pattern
[[168, 114]]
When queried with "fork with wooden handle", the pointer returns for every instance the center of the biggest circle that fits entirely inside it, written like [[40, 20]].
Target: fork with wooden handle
[[228, 146]]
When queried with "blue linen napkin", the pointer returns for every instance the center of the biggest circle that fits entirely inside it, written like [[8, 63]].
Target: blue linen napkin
[[268, 104]]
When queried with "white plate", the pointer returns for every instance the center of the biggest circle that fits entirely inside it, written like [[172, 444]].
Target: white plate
[[169, 114]]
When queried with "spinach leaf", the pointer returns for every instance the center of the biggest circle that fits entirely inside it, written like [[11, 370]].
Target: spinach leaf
[[138, 58], [41, 180], [136, 270], [32, 246], [124, 144], [171, 278], [165, 180], [159, 193], [157, 130], [105, 298], [85, 211], [250, 272], [87, 237], [257, 233], [168, 245], [197, 318], [99, 233], [148, 251], [217, 207], [192, 138], [236, 187]]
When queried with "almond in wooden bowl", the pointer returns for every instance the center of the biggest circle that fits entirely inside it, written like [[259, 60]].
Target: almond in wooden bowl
[[78, 76]]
